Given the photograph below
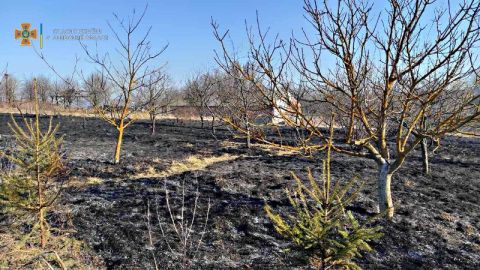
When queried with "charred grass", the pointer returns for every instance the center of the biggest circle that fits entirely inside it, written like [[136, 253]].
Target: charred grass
[[437, 224]]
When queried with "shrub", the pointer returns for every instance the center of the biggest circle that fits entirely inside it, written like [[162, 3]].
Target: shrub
[[183, 235], [320, 225]]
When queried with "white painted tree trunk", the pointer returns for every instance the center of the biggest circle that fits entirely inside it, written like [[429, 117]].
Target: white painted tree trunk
[[248, 138], [385, 201], [426, 168]]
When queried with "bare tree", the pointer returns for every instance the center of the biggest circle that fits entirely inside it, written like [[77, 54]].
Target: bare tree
[[8, 88], [240, 105], [44, 88], [447, 101], [157, 96], [69, 92], [388, 71], [199, 93], [27, 90], [67, 89], [55, 94], [128, 76], [97, 90]]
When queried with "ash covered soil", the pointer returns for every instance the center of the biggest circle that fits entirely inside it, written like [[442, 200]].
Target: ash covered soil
[[436, 226]]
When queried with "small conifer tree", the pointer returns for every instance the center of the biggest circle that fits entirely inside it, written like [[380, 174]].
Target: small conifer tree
[[320, 225], [29, 190], [36, 182]]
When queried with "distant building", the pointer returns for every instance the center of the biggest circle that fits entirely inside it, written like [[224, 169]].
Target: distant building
[[283, 110], [275, 114]]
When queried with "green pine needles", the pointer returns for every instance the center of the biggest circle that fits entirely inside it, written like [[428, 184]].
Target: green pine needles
[[36, 182], [320, 225], [29, 192]]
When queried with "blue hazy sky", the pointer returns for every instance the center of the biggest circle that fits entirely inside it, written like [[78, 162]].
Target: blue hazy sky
[[184, 24]]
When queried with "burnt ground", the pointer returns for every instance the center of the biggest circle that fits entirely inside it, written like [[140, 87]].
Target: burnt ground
[[436, 226]]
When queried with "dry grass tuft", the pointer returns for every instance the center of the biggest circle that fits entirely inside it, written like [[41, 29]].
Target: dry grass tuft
[[19, 247], [468, 229], [409, 184], [447, 217], [94, 181], [191, 163], [80, 182], [275, 150], [19, 251]]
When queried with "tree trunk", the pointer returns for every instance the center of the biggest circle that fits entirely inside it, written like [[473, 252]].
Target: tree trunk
[[153, 124], [249, 144], [201, 120], [384, 190], [41, 213], [84, 123], [248, 139], [213, 125], [118, 148], [426, 166], [43, 229]]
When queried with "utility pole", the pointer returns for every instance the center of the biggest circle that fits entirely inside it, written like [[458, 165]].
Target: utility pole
[[6, 88]]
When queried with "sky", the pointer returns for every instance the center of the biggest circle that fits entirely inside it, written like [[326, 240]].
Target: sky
[[182, 24]]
